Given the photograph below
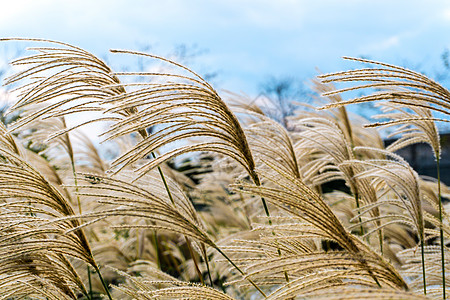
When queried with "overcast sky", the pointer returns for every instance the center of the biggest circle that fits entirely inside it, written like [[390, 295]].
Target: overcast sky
[[246, 41]]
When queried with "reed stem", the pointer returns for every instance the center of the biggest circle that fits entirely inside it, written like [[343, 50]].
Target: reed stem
[[188, 242], [105, 287], [423, 266], [72, 162], [240, 271], [194, 258], [205, 257], [257, 182], [91, 296], [441, 231]]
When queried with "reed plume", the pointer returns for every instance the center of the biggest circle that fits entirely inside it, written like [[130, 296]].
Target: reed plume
[[158, 228]]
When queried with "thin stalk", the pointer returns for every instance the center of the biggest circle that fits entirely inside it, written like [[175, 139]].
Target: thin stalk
[[105, 287], [91, 296], [74, 172], [380, 240], [188, 242], [257, 182], [75, 179], [423, 267], [144, 134], [266, 209], [356, 195], [217, 248], [205, 257], [156, 245], [169, 258], [72, 162], [163, 178], [441, 231], [348, 133], [70, 268], [194, 258], [240, 271]]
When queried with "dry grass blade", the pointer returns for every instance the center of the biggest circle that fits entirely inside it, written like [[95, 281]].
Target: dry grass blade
[[295, 197], [398, 85], [64, 78], [325, 138], [400, 178], [20, 181], [270, 141], [133, 199], [38, 226], [190, 108], [333, 147], [416, 126], [415, 97], [38, 273], [154, 284], [348, 293]]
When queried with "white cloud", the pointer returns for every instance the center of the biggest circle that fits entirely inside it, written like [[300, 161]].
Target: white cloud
[[446, 14], [381, 45]]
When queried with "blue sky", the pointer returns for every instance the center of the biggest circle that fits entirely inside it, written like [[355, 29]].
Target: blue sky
[[246, 41]]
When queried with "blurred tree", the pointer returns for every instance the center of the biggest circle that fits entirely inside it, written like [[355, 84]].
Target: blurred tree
[[282, 92]]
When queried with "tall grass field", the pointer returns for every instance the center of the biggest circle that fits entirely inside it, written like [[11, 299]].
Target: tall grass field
[[194, 194]]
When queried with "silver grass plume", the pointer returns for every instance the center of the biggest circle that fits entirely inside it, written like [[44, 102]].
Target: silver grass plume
[[188, 109], [296, 198], [395, 84]]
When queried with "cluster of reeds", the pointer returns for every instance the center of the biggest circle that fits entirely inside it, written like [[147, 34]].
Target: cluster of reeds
[[247, 217]]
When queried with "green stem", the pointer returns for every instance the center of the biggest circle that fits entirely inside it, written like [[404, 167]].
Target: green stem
[[423, 267], [240, 271], [91, 296], [105, 287], [257, 182], [205, 257], [441, 231], [75, 179], [169, 258], [361, 229], [380, 239], [188, 242], [158, 259], [163, 178], [72, 162], [194, 258]]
